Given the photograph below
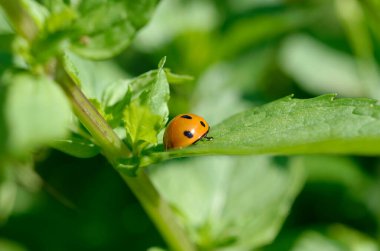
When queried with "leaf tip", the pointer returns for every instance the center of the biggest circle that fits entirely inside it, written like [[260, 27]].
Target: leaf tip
[[162, 62]]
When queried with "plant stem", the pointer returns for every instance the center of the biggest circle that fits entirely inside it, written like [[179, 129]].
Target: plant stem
[[112, 146], [21, 20], [159, 211], [114, 149]]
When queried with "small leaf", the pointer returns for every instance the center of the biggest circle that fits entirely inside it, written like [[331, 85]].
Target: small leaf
[[227, 201], [76, 146], [148, 112], [116, 97], [141, 124], [295, 126], [174, 78], [156, 95], [36, 112]]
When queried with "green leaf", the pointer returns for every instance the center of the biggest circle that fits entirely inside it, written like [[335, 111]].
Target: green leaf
[[320, 69], [8, 192], [261, 25], [106, 28], [16, 178], [174, 78], [148, 113], [156, 95], [337, 237], [5, 28], [8, 245], [141, 124], [235, 203], [37, 11], [116, 97], [314, 241], [297, 126], [36, 112], [94, 77], [76, 146]]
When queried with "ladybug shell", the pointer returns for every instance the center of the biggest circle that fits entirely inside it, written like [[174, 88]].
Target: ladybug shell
[[184, 130]]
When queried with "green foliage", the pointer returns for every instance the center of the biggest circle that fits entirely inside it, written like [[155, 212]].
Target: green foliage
[[67, 82]]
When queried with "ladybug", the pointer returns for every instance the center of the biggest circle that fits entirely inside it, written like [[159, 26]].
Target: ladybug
[[184, 130]]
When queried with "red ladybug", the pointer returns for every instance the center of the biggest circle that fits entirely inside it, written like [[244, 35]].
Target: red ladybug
[[184, 130]]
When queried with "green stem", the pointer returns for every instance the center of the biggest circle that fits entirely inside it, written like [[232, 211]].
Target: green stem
[[103, 134], [114, 149], [159, 211], [21, 20]]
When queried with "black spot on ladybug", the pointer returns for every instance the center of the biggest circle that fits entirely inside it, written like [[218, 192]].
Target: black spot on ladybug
[[186, 116], [188, 134], [203, 124]]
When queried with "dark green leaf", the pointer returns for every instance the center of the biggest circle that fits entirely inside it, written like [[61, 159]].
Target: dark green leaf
[[6, 51], [76, 146]]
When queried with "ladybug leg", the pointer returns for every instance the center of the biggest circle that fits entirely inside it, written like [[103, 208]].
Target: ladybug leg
[[208, 138]]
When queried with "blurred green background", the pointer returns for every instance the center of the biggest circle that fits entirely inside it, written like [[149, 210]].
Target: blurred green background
[[241, 54]]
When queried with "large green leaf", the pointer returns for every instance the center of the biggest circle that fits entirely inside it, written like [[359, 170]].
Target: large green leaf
[[297, 126], [235, 203], [107, 27], [36, 112]]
